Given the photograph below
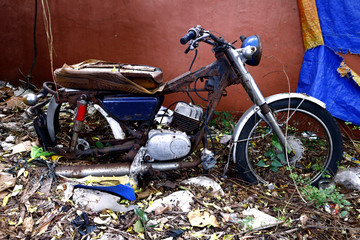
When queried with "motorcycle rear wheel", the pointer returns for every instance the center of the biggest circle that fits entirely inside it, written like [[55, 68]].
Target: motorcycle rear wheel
[[311, 131]]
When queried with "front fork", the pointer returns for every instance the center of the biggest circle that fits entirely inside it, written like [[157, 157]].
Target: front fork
[[250, 86], [78, 121]]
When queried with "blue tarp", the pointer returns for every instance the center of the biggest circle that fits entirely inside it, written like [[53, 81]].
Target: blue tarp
[[340, 26], [319, 78]]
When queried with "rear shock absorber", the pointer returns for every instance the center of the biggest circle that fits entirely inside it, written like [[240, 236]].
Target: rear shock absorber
[[78, 121]]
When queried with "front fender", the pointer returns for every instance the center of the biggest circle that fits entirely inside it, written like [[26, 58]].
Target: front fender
[[51, 118], [256, 110]]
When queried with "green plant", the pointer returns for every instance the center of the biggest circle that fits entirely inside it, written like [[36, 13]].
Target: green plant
[[247, 222], [354, 127], [298, 179], [140, 225], [223, 121], [276, 156], [322, 197]]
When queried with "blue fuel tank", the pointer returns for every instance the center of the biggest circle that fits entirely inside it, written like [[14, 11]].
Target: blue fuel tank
[[131, 108]]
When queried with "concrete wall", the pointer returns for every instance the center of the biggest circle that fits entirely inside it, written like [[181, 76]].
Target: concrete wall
[[148, 32]]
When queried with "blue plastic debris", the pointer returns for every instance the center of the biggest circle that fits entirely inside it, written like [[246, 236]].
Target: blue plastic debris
[[124, 191]]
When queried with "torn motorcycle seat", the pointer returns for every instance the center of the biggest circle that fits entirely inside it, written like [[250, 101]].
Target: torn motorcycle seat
[[95, 74]]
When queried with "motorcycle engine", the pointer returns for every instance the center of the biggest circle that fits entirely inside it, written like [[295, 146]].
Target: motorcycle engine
[[186, 117], [167, 145], [164, 145]]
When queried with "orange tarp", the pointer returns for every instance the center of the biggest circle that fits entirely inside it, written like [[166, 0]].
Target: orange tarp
[[310, 24]]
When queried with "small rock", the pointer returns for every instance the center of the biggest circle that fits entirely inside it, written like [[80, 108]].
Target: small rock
[[10, 139], [225, 139], [271, 186], [6, 146]]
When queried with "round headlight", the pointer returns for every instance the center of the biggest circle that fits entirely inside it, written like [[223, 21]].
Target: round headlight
[[253, 41]]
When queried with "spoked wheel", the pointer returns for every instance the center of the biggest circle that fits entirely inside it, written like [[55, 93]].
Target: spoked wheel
[[312, 133]]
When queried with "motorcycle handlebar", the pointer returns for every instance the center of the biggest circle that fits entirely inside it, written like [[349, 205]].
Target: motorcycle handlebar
[[190, 35]]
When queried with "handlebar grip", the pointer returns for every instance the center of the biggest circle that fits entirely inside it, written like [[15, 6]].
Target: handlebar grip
[[243, 38], [190, 35]]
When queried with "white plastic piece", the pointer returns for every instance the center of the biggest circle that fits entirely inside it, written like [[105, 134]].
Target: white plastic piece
[[259, 220], [350, 178], [181, 199], [114, 125], [97, 200], [205, 182]]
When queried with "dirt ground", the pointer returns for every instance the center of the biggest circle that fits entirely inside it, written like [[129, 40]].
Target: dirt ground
[[35, 206]]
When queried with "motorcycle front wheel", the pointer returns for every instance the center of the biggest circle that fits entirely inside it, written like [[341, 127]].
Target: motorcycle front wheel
[[310, 130]]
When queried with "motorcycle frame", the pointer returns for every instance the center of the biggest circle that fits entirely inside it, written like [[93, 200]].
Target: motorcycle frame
[[228, 69]]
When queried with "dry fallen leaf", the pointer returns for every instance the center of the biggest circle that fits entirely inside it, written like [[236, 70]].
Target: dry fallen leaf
[[144, 194], [6, 181], [28, 224], [14, 102], [198, 219], [303, 219]]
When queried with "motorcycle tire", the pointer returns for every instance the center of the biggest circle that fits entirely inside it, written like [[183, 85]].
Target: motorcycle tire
[[311, 131]]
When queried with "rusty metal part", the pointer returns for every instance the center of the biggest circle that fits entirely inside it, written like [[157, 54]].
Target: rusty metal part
[[167, 166], [217, 68], [132, 153], [93, 152], [119, 169], [106, 150]]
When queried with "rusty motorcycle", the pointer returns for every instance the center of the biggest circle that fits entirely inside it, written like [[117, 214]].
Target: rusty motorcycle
[[284, 134]]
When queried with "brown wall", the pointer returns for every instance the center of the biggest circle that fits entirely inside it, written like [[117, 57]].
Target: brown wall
[[148, 32]]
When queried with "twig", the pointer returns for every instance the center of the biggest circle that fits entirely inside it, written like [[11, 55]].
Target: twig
[[131, 222], [352, 141], [124, 234], [328, 227]]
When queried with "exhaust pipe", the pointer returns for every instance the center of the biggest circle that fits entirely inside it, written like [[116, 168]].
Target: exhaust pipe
[[112, 169], [119, 169]]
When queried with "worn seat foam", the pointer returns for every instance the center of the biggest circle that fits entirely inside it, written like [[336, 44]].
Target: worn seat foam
[[102, 75]]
